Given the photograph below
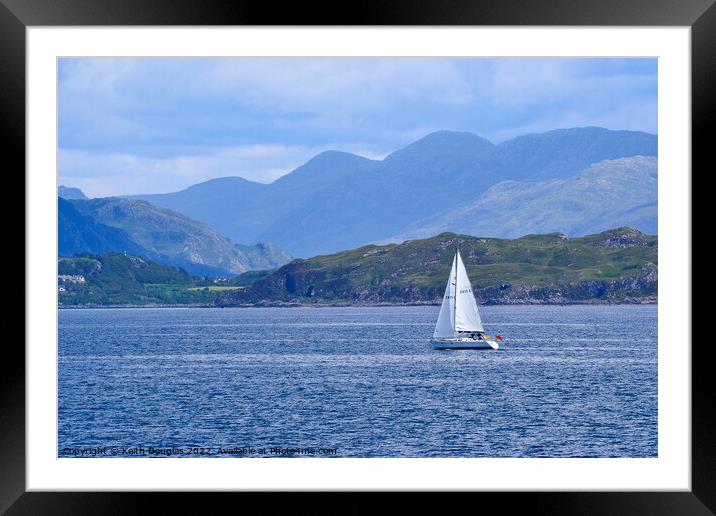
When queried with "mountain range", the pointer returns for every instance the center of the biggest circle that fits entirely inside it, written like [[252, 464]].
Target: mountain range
[[569, 180], [139, 228], [611, 193]]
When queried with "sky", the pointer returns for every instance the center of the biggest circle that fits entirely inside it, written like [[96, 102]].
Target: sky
[[153, 125]]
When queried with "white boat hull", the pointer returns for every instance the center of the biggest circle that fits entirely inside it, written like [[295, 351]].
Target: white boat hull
[[464, 343]]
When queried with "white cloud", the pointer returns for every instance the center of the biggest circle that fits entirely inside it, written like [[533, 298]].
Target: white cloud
[[130, 99], [530, 82], [155, 125], [349, 85]]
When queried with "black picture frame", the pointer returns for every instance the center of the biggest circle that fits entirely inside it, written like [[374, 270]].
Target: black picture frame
[[17, 15]]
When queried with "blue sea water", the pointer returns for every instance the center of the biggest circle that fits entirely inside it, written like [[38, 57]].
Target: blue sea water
[[568, 381]]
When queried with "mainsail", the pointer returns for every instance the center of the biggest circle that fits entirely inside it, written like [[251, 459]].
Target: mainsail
[[445, 326], [459, 309]]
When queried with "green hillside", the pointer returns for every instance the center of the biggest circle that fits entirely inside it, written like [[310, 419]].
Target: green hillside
[[119, 279], [614, 266]]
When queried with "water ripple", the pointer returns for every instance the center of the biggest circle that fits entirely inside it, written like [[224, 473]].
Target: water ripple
[[567, 381]]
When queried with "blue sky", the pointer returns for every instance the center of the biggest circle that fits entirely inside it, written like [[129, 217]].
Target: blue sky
[[159, 125]]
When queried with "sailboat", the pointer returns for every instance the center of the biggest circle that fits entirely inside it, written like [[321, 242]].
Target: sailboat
[[459, 324]]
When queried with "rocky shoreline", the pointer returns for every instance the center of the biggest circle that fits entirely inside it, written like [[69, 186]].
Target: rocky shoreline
[[649, 300]]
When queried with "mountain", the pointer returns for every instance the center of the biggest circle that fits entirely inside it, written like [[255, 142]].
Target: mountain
[[244, 210], [172, 238], [79, 233], [67, 192], [338, 200], [621, 192], [263, 256], [222, 203], [441, 168], [614, 266], [564, 152]]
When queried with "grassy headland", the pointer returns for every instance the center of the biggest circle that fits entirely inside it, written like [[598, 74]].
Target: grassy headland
[[610, 267]]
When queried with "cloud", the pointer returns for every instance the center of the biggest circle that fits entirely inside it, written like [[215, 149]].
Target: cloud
[[350, 85], [131, 125], [530, 82], [124, 101]]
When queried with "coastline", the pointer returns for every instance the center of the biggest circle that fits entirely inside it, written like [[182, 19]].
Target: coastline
[[650, 300]]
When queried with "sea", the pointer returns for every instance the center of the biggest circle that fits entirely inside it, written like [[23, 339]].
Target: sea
[[567, 381]]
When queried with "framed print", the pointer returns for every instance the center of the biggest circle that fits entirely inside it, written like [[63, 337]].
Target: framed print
[[426, 249]]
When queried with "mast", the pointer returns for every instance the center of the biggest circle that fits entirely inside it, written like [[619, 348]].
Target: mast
[[454, 315]]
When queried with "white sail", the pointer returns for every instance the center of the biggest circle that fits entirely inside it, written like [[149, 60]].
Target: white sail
[[467, 318], [445, 327]]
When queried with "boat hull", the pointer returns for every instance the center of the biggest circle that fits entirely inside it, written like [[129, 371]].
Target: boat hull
[[464, 343]]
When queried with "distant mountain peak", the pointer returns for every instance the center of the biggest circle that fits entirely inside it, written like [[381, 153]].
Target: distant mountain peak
[[335, 154], [444, 135], [325, 166], [579, 132], [329, 158], [444, 142], [69, 192], [223, 181]]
